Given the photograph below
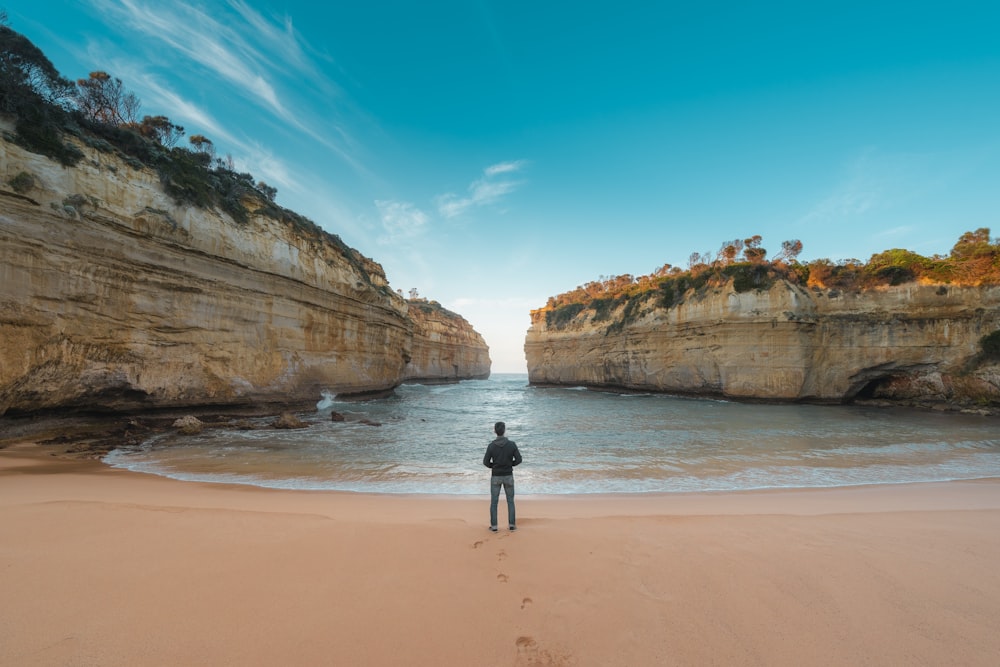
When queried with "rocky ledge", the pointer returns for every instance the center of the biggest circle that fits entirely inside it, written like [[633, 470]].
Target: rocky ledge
[[910, 344]]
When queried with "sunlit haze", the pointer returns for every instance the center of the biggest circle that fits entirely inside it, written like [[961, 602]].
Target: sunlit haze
[[493, 154]]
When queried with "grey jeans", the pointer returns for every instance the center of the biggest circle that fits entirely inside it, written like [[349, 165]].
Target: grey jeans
[[507, 482]]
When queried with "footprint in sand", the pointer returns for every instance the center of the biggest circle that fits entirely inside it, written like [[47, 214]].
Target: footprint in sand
[[525, 602], [501, 554], [502, 578], [529, 653], [477, 544]]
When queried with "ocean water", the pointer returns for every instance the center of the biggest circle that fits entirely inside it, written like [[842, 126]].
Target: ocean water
[[432, 439]]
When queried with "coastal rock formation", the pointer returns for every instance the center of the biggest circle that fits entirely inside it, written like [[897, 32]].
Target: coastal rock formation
[[113, 297], [445, 346], [786, 343]]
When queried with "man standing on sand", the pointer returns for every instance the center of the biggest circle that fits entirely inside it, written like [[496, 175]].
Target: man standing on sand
[[502, 455]]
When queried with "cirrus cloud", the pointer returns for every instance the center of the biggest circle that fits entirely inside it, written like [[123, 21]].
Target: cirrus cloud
[[400, 220], [492, 186]]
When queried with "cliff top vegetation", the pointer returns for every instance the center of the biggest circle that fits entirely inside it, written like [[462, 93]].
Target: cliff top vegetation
[[54, 115], [431, 307], [974, 260]]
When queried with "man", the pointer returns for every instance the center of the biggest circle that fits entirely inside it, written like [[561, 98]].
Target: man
[[502, 455]]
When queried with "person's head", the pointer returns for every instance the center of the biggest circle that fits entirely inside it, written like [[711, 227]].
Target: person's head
[[499, 428]]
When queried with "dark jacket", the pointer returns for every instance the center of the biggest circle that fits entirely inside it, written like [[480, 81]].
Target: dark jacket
[[502, 456]]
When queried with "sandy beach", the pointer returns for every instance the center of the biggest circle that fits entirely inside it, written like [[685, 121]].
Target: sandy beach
[[108, 567]]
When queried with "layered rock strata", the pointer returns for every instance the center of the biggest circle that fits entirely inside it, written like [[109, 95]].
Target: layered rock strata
[[787, 343], [445, 346], [113, 297]]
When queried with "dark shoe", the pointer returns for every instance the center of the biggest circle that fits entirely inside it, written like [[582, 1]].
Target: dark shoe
[[493, 528], [513, 527]]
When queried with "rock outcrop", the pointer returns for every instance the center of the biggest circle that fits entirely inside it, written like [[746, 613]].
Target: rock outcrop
[[445, 346], [786, 343], [113, 297]]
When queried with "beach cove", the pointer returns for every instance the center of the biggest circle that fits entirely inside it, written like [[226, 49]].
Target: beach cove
[[430, 439], [112, 567]]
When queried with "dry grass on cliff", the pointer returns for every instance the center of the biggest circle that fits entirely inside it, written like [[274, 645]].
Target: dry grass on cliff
[[973, 261]]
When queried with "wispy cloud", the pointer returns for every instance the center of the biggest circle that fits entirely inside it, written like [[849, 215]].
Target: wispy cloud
[[504, 167], [874, 181], [400, 220], [238, 46], [853, 198], [161, 96], [900, 231], [282, 38], [491, 187], [195, 34]]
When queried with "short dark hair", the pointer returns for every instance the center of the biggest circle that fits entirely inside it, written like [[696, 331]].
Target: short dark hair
[[499, 427]]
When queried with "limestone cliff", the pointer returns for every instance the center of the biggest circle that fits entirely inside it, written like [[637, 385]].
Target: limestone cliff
[[115, 297], [788, 343], [445, 346]]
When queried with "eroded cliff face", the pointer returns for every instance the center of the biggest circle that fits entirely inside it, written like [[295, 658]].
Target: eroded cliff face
[[113, 297], [787, 343], [445, 346]]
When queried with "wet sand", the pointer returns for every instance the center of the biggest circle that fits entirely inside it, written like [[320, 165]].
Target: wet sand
[[109, 567]]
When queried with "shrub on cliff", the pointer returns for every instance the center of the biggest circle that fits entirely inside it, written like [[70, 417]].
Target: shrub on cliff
[[673, 288], [183, 177], [21, 183], [431, 307], [630, 313], [604, 307], [748, 276], [895, 267], [974, 260], [37, 96], [563, 314]]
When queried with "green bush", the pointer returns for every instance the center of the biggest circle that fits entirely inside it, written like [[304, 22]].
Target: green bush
[[631, 312], [748, 276], [563, 315], [99, 144], [32, 91], [36, 131], [895, 275], [668, 294], [798, 273], [77, 201], [22, 182], [603, 308], [633, 306], [183, 175], [673, 289]]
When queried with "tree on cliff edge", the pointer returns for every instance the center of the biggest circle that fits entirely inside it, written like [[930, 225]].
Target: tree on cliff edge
[[160, 130], [27, 77], [32, 90], [104, 99]]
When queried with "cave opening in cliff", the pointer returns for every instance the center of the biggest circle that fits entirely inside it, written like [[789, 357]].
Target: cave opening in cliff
[[870, 389]]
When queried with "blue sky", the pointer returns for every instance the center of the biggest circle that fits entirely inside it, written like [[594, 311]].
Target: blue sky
[[493, 154]]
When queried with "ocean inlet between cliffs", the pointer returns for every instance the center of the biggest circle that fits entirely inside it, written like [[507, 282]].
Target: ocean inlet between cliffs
[[430, 439]]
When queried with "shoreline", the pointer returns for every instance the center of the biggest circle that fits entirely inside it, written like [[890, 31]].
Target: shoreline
[[726, 496], [107, 566], [966, 407], [86, 437]]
